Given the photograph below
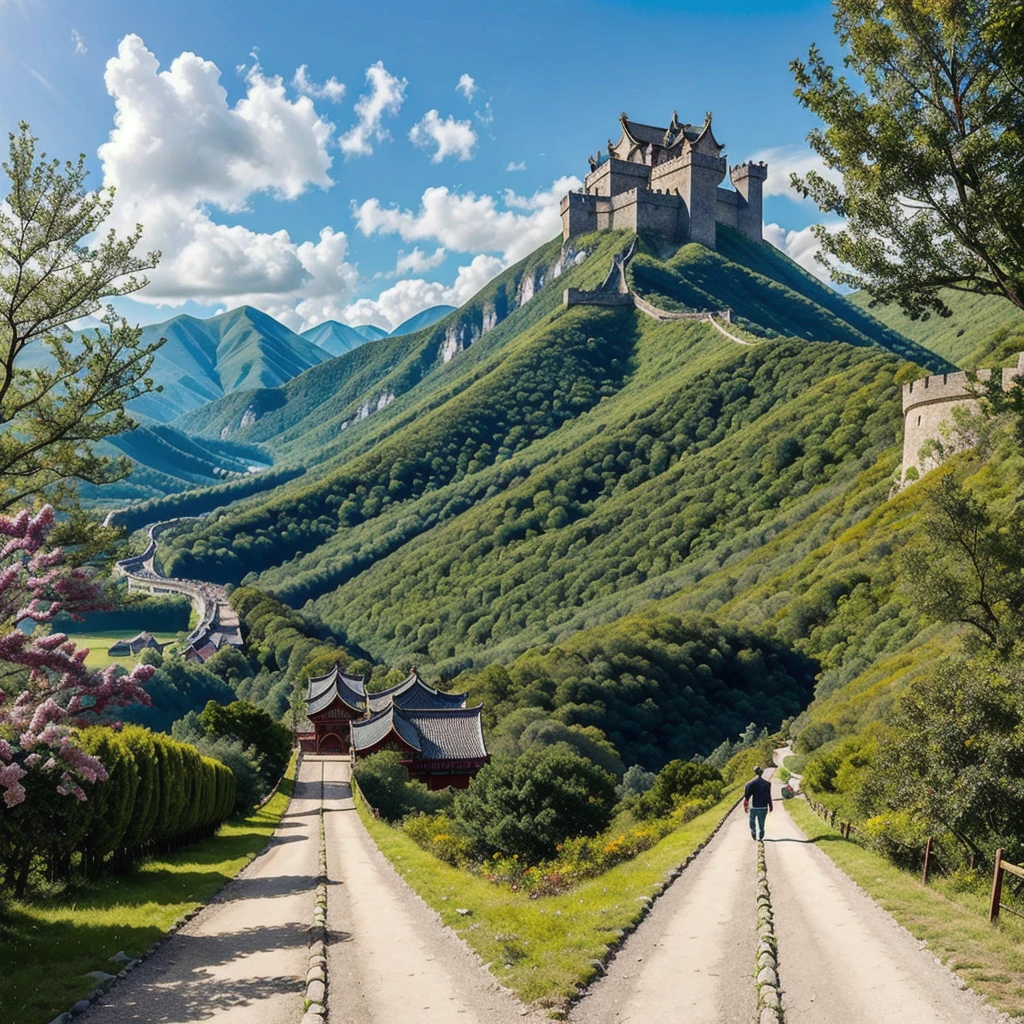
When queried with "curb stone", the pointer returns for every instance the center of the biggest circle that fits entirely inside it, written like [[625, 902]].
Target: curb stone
[[766, 956], [314, 1009]]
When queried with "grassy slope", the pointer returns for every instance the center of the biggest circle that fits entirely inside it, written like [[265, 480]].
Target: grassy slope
[[956, 338], [47, 946], [953, 924], [99, 640], [552, 942]]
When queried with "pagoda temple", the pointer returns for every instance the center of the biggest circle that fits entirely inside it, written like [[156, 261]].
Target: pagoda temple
[[439, 746], [441, 740], [332, 701]]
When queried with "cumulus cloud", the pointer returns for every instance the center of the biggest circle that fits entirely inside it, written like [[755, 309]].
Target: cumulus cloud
[[783, 161], [407, 298], [450, 137], [76, 38], [467, 86], [800, 246], [386, 95], [417, 261], [178, 150], [516, 165], [331, 90], [471, 223]]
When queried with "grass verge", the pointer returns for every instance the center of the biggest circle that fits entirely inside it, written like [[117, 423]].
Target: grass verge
[[48, 946], [544, 949], [988, 958]]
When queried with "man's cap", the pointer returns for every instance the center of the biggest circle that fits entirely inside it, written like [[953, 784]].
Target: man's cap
[[758, 769]]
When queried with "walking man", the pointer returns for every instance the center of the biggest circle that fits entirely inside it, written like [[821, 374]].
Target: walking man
[[757, 798]]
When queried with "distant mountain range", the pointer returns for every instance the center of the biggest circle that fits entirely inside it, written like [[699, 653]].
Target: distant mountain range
[[423, 319], [340, 338]]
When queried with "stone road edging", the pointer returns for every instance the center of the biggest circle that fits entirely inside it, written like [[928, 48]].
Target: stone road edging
[[315, 1005], [766, 963]]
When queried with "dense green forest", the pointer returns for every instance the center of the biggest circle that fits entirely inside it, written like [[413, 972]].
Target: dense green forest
[[549, 518]]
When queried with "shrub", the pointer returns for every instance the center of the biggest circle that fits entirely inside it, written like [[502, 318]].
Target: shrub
[[437, 834], [385, 784], [529, 804], [674, 782]]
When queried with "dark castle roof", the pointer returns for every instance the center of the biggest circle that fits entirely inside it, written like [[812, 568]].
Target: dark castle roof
[[436, 734], [665, 138], [412, 692], [323, 691]]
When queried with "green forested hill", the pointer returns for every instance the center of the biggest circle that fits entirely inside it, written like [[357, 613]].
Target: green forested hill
[[467, 499], [961, 338]]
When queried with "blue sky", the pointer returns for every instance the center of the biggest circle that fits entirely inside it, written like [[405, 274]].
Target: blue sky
[[369, 184]]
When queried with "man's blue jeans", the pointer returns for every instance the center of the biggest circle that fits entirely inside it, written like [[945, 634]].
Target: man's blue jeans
[[757, 819]]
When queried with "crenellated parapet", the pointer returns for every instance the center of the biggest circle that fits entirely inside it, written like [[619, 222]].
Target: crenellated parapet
[[928, 405]]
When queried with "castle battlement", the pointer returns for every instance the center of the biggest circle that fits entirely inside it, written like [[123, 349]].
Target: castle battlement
[[928, 405], [665, 181]]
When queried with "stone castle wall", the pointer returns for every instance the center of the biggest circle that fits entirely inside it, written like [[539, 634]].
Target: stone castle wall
[[928, 404]]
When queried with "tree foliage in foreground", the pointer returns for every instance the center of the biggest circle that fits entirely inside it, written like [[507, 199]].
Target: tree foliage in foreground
[[46, 691], [931, 153], [60, 393]]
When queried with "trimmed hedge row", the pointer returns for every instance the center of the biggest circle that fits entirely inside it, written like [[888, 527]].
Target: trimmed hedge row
[[160, 794]]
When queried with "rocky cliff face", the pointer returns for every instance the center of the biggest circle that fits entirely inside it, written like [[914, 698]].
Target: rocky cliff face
[[473, 324]]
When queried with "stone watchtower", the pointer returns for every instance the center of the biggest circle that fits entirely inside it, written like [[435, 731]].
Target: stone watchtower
[[928, 405], [666, 181]]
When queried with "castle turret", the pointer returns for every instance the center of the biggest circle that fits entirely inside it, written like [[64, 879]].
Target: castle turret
[[698, 174], [748, 180]]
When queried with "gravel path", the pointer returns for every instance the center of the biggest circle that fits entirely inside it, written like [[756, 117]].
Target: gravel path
[[844, 960], [692, 959], [243, 959], [390, 961]]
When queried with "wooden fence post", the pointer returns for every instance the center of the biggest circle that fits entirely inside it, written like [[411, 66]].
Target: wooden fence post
[[997, 887], [927, 860]]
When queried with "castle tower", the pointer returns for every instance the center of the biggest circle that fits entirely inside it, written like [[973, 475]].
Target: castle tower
[[748, 180], [698, 174]]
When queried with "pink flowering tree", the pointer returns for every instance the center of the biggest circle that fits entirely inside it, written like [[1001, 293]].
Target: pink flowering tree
[[46, 691]]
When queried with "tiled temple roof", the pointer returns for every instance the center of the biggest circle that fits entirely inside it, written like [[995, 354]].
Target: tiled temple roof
[[412, 692], [322, 691], [436, 734]]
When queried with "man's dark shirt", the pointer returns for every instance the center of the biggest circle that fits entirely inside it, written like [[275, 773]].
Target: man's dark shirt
[[758, 792]]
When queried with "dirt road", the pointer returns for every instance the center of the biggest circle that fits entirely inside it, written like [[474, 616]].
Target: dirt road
[[244, 958], [844, 960], [390, 961], [691, 961]]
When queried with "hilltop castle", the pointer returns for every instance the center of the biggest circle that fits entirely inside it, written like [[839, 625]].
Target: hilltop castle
[[665, 181]]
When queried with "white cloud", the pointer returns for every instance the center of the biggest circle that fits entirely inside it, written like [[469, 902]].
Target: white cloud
[[76, 38], [331, 90], [467, 86], [417, 261], [407, 298], [471, 223], [178, 149], [515, 165], [800, 246], [451, 137], [783, 161], [386, 95], [485, 116]]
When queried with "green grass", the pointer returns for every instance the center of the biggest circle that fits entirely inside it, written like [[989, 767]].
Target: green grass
[[48, 946], [990, 959], [99, 640], [543, 949]]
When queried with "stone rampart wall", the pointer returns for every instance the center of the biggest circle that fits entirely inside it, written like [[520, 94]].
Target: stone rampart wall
[[579, 297]]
